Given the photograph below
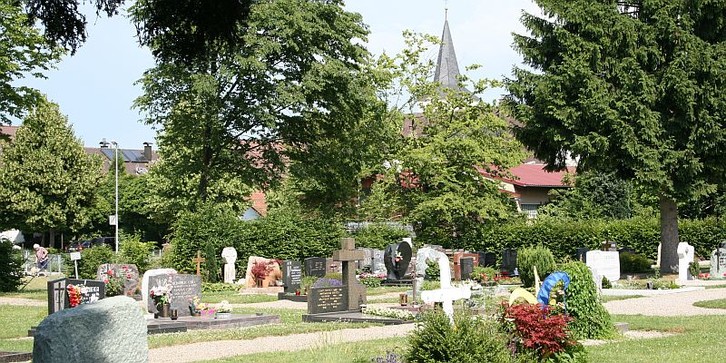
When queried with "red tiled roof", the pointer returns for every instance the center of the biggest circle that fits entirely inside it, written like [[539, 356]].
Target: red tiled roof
[[259, 202], [534, 175], [9, 130]]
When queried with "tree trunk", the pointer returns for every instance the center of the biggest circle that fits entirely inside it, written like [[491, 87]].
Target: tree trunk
[[668, 235], [51, 243]]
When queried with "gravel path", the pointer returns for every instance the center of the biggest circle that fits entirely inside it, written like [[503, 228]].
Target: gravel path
[[675, 304], [230, 348]]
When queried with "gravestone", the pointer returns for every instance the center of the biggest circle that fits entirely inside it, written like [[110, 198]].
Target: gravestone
[[509, 261], [609, 246], [487, 259], [379, 266], [145, 288], [183, 289], [229, 255], [110, 331], [718, 263], [467, 267], [397, 257], [366, 264], [605, 263], [333, 266], [447, 294], [686, 253], [291, 276], [91, 291], [581, 254], [457, 256], [315, 266], [130, 274], [348, 297]]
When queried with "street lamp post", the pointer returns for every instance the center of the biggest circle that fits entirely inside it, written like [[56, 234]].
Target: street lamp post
[[104, 144]]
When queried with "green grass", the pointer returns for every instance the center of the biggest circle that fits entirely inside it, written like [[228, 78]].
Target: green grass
[[386, 289], [235, 298], [711, 304], [15, 322], [36, 289], [336, 353], [722, 286], [606, 298]]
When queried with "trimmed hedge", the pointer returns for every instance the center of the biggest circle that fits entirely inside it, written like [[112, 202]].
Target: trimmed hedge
[[563, 237]]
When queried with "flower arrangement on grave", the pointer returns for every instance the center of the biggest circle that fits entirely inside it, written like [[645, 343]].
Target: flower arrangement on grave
[[370, 279], [327, 282], [115, 284], [161, 295], [224, 307], [398, 257], [196, 306], [74, 295]]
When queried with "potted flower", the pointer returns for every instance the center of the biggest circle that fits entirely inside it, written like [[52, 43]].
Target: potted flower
[[224, 310], [162, 299]]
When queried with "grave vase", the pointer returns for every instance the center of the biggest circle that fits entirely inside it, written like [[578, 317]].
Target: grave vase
[[164, 310]]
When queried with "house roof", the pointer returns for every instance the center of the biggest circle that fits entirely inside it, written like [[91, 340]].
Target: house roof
[[9, 131], [534, 175], [259, 202]]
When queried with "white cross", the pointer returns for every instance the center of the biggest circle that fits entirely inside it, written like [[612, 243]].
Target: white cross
[[446, 295]]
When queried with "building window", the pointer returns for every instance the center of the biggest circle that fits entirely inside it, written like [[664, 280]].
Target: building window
[[530, 209]]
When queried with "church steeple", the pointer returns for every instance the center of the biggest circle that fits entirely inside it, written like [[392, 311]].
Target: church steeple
[[447, 68]]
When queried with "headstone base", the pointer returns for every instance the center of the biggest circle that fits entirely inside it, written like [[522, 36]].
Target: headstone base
[[351, 317], [397, 282], [185, 323], [15, 356], [292, 297]]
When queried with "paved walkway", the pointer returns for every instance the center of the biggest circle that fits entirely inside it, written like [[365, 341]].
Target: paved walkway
[[673, 304]]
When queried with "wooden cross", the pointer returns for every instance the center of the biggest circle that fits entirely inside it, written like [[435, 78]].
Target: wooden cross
[[198, 260]]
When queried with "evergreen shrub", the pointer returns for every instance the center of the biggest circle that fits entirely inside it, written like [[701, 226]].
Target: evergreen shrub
[[590, 319], [634, 263], [379, 236], [471, 339], [10, 267], [528, 258], [91, 258]]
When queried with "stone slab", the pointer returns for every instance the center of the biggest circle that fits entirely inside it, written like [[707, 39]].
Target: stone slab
[[351, 317], [185, 323], [15, 357]]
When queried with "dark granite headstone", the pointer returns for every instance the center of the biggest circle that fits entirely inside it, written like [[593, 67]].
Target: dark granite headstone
[[581, 254], [315, 266], [397, 257], [509, 260], [183, 289], [91, 291], [490, 259], [327, 299], [291, 275], [467, 267], [130, 274]]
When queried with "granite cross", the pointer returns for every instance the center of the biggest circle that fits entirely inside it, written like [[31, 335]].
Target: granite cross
[[198, 260], [348, 255]]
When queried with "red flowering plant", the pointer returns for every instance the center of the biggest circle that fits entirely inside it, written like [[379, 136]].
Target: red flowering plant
[[261, 269], [115, 284], [74, 295], [541, 332]]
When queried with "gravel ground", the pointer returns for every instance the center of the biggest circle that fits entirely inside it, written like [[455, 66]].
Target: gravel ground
[[675, 304]]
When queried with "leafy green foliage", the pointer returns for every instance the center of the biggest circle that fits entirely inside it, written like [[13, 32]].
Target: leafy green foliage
[[634, 92], [470, 339], [10, 267], [530, 257], [378, 236], [633, 262], [219, 286], [25, 52], [595, 196], [91, 258], [47, 181], [433, 271], [133, 251], [591, 320]]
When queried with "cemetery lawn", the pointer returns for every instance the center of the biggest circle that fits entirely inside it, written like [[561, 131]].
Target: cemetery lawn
[[343, 353], [291, 324], [606, 298], [35, 290], [235, 298], [386, 290], [716, 286], [15, 322], [711, 304]]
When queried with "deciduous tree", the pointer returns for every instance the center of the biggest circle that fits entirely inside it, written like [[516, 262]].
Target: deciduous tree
[[631, 87]]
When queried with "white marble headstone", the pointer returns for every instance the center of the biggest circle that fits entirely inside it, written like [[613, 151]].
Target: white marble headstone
[[229, 255], [145, 281], [604, 263], [686, 253]]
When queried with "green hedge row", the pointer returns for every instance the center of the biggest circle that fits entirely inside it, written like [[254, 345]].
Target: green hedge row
[[563, 237]]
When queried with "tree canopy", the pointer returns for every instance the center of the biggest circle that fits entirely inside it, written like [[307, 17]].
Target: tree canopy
[[629, 87], [47, 181]]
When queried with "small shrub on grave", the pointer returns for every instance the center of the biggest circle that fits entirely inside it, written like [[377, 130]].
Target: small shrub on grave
[[433, 272], [91, 258], [537, 333], [528, 258], [219, 287], [590, 319], [306, 283], [606, 283], [10, 267], [634, 263], [484, 275], [370, 281], [471, 339]]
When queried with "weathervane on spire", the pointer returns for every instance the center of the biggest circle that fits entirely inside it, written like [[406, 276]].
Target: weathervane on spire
[[446, 9]]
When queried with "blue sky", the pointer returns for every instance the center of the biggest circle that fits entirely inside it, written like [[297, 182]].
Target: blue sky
[[95, 87]]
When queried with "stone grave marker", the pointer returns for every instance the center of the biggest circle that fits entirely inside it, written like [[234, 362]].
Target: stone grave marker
[[145, 288], [315, 266], [229, 255], [718, 263], [366, 264], [183, 289], [605, 263], [130, 274], [686, 253], [457, 256], [332, 266], [509, 261], [327, 299], [91, 291], [291, 276], [467, 267], [379, 266], [397, 257], [581, 254], [348, 297], [487, 259]]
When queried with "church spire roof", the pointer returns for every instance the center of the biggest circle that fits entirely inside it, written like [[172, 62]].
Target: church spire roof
[[447, 68]]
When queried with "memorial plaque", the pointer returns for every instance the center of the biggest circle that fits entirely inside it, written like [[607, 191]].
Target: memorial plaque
[[315, 266], [397, 258], [467, 267], [489, 260], [183, 289], [91, 291], [291, 275], [378, 265], [457, 256], [718, 263], [509, 261], [327, 299], [605, 263]]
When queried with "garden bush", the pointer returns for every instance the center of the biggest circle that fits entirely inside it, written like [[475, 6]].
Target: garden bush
[[133, 251], [91, 258], [528, 258], [634, 263], [590, 319], [433, 271], [470, 339], [219, 287], [10, 267], [379, 235]]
